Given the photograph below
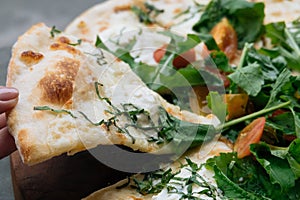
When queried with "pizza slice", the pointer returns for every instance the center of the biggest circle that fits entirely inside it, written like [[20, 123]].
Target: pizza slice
[[171, 182], [74, 96], [238, 178]]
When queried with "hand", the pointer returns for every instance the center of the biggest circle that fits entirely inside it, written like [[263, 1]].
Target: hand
[[8, 99]]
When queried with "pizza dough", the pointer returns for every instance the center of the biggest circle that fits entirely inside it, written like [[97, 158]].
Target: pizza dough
[[63, 73]]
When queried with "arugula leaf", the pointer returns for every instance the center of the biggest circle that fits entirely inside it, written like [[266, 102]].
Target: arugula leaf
[[283, 123], [276, 166], [217, 105], [249, 78], [231, 190], [269, 70], [296, 122], [246, 18], [281, 81], [286, 41], [237, 178], [247, 179]]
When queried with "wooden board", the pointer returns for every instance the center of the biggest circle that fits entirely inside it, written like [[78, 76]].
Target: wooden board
[[63, 177]]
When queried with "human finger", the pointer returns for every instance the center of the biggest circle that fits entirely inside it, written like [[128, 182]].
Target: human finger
[[2, 120], [8, 98], [7, 143]]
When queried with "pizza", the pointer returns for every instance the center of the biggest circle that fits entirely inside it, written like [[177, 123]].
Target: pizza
[[80, 97], [215, 79], [182, 18]]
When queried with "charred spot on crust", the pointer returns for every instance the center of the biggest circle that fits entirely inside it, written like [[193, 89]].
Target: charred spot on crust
[[63, 43], [65, 47], [64, 40], [57, 86], [31, 58]]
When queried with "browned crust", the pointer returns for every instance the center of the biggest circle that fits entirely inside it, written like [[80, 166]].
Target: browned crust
[[30, 58], [57, 86]]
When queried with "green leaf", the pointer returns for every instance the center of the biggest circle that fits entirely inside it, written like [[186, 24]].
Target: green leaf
[[286, 41], [221, 61], [243, 178], [277, 87], [209, 41], [246, 18], [278, 169], [54, 31], [275, 31], [283, 123], [183, 132], [249, 78], [217, 105], [232, 190], [269, 70], [296, 122], [57, 111]]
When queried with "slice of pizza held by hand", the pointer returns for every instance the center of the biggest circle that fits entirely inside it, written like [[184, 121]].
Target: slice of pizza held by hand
[[74, 96]]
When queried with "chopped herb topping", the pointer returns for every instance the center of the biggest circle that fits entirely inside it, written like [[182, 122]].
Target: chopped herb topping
[[175, 183], [190, 12], [79, 41], [54, 31], [147, 14], [47, 108], [99, 56]]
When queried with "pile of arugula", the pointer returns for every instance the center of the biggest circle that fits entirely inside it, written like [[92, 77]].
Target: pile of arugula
[[264, 74]]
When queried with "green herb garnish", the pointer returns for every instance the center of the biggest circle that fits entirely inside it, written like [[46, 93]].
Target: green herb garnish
[[58, 111], [79, 41], [147, 14], [54, 31]]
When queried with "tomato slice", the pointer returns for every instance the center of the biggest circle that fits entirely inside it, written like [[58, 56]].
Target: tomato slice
[[180, 61], [251, 134], [159, 53]]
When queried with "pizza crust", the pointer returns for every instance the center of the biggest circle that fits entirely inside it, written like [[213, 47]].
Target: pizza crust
[[197, 155], [62, 77]]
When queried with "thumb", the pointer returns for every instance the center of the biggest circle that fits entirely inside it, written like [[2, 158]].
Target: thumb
[[8, 98]]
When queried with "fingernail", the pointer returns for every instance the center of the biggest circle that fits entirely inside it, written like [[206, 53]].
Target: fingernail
[[7, 93]]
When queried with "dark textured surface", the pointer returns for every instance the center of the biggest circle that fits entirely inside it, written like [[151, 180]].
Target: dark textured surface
[[63, 177], [16, 16]]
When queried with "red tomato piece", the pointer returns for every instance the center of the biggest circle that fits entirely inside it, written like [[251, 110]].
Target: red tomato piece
[[251, 134], [180, 61]]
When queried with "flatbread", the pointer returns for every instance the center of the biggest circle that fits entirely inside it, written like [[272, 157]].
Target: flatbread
[[60, 72], [196, 155], [281, 10], [275, 10]]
